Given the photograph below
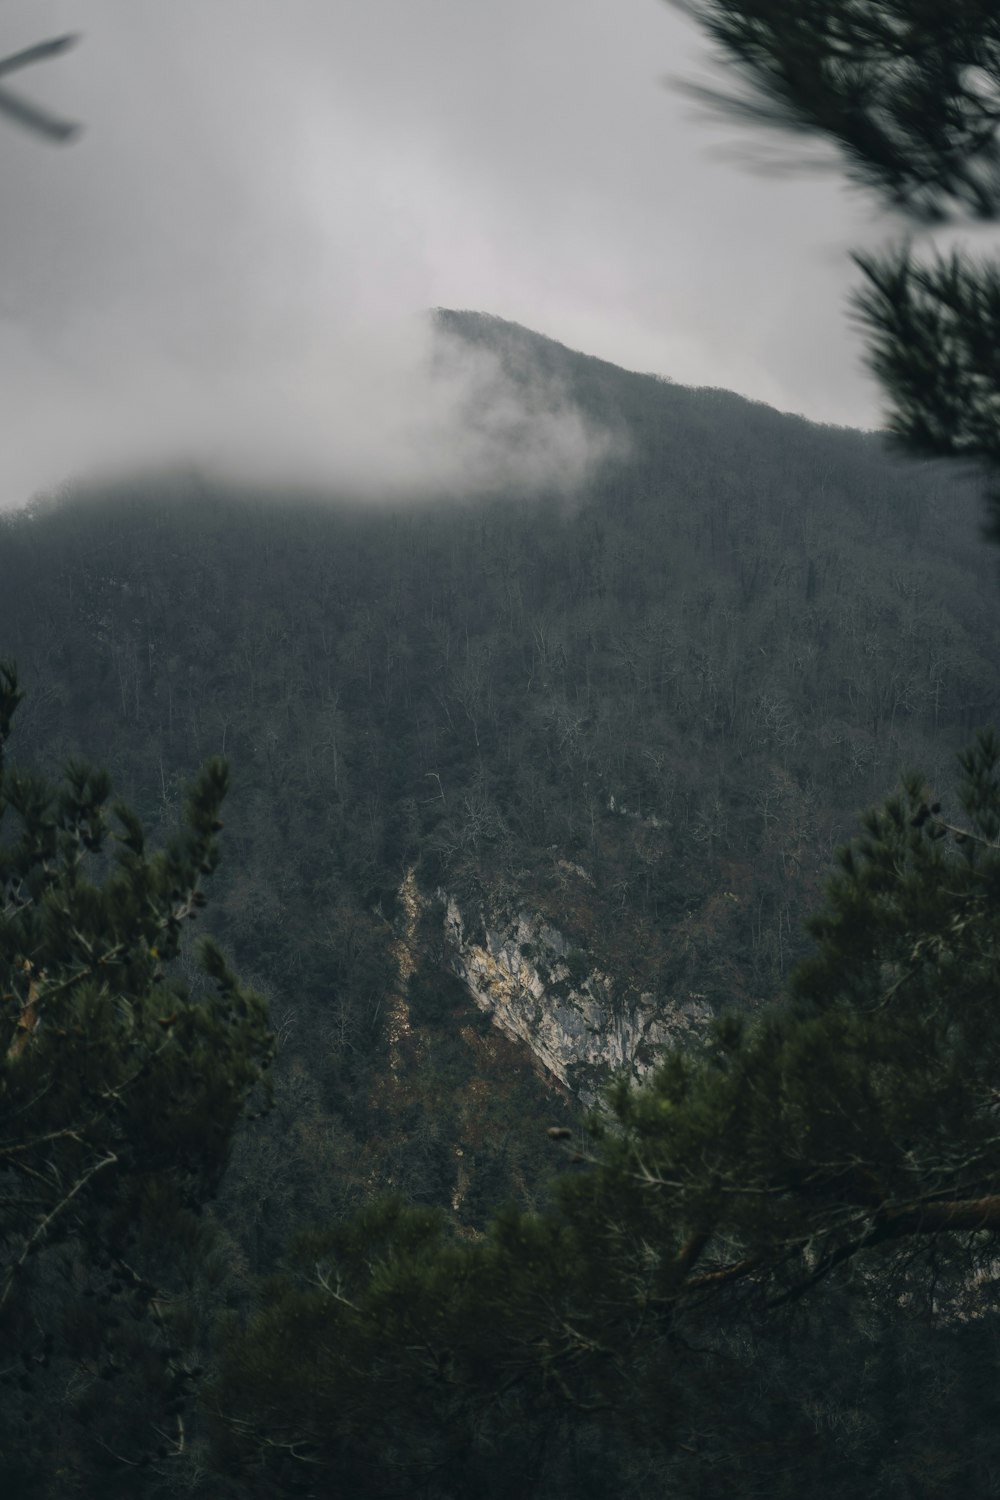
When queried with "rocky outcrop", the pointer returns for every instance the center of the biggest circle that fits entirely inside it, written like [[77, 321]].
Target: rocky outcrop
[[537, 987]]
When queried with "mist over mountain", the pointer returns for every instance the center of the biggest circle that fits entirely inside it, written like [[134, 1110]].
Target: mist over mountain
[[574, 722], [391, 409], [689, 553], [736, 624]]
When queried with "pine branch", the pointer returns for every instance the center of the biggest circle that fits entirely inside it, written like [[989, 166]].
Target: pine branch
[[907, 90]]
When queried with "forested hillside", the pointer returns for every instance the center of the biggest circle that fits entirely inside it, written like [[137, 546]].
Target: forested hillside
[[684, 681], [743, 627], [645, 713]]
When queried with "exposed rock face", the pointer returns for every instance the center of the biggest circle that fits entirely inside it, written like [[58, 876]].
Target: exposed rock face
[[536, 987]]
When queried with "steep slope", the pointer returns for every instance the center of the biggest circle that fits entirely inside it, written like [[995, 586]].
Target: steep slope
[[616, 736]]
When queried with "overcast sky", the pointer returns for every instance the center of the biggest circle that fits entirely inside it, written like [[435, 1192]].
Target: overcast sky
[[267, 192]]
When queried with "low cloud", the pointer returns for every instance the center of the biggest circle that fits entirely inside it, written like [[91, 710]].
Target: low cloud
[[229, 266], [503, 430], [378, 412]]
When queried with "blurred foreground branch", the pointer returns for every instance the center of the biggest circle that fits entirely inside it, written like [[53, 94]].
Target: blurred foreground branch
[[22, 111]]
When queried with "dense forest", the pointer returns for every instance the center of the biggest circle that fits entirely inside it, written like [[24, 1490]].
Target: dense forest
[[646, 712]]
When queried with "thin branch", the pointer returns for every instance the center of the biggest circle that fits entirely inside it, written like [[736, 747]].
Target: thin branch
[[42, 1227]]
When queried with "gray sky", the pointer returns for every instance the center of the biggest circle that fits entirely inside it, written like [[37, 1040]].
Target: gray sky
[[268, 191]]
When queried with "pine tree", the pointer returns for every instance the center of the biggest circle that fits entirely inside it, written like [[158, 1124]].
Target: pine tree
[[120, 1088], [845, 1145]]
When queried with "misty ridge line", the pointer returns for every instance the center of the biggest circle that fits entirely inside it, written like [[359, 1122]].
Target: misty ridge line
[[397, 413], [447, 405], [195, 284]]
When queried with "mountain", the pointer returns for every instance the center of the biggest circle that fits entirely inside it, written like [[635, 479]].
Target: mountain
[[606, 741], [527, 785]]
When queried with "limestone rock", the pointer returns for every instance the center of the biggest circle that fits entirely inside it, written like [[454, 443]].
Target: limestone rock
[[523, 972]]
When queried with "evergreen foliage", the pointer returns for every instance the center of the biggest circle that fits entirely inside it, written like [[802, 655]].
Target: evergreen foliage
[[850, 1136], [909, 93], [120, 1088], [908, 90], [934, 331]]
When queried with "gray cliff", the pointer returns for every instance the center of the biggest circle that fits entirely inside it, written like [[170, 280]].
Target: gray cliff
[[522, 971]]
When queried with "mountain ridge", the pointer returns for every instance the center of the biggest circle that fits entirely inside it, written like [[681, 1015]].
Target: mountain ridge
[[504, 335], [683, 680]]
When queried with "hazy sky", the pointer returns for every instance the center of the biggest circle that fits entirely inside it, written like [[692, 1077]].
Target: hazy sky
[[268, 191]]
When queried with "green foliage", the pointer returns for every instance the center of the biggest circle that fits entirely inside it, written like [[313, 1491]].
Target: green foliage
[[847, 1141], [934, 347], [120, 1088], [907, 89], [863, 1112]]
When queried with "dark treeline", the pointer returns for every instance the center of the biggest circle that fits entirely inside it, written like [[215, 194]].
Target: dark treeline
[[686, 680]]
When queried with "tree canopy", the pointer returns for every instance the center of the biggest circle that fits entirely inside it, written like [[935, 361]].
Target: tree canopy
[[121, 1083], [851, 1133]]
